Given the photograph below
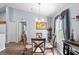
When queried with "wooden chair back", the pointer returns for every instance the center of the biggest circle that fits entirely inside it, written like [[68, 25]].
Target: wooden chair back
[[38, 45], [53, 39]]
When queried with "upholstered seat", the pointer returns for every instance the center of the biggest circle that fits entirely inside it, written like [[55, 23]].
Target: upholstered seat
[[28, 46], [48, 45]]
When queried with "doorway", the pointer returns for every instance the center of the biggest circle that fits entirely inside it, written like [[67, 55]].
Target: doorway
[[22, 27]]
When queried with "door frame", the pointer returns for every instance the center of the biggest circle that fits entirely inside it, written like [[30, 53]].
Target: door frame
[[18, 29]]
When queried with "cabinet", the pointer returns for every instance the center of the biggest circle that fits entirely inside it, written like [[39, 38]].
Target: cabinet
[[71, 47], [2, 41], [2, 34]]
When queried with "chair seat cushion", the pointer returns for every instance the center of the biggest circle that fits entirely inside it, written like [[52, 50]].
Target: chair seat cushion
[[28, 46], [48, 45]]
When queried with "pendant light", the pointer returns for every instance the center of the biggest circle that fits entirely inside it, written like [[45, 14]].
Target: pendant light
[[39, 19]]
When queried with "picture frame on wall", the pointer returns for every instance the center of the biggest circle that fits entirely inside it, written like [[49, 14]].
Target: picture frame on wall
[[38, 35], [41, 25]]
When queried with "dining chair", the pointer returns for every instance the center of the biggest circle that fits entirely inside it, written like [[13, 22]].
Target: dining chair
[[38, 45], [26, 47], [51, 45]]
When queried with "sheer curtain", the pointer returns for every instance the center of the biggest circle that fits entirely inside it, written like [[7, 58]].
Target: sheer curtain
[[59, 31]]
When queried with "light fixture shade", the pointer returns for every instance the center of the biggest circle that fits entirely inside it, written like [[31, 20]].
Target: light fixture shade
[[39, 20], [36, 19], [42, 20]]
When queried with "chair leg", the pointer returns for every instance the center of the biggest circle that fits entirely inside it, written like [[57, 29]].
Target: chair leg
[[32, 52], [43, 53], [53, 51], [23, 52]]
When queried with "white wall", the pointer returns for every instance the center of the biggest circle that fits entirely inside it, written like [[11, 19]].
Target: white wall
[[12, 32], [49, 21], [3, 15], [74, 11]]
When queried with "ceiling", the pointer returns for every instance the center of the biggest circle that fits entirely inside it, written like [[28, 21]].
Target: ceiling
[[46, 9]]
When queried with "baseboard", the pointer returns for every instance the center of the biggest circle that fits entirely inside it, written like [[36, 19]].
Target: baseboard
[[2, 49]]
